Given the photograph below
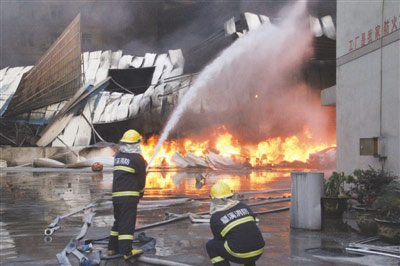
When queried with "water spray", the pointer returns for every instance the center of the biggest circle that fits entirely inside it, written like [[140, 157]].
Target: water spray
[[261, 48]]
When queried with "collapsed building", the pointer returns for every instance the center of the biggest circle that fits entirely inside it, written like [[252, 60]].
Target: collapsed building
[[69, 98], [32, 96]]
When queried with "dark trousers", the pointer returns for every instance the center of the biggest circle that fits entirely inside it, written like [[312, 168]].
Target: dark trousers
[[217, 252], [121, 236]]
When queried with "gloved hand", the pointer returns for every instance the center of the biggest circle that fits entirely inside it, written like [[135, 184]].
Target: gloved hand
[[141, 194]]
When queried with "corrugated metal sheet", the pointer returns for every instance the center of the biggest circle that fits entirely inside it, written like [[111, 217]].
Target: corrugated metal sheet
[[125, 62], [149, 59], [3, 73], [84, 132], [68, 137], [134, 107], [55, 77], [264, 19], [229, 26], [115, 106], [115, 57], [177, 58], [112, 103], [105, 63], [137, 62], [252, 20], [328, 27], [99, 108], [168, 66], [10, 79], [159, 68], [145, 105], [156, 100], [123, 107], [65, 117], [315, 26], [85, 59], [93, 66]]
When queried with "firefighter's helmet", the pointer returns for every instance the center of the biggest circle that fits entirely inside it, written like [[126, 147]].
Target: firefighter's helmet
[[220, 190], [131, 136]]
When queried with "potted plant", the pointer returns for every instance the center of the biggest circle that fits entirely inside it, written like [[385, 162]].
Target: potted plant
[[334, 202], [388, 208], [368, 185]]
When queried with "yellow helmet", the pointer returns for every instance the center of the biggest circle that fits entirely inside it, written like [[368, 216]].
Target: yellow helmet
[[131, 136], [220, 190]]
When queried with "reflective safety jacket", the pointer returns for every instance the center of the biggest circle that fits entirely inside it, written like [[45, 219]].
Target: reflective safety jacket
[[129, 176], [238, 228]]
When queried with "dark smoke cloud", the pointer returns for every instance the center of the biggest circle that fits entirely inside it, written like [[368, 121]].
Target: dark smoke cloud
[[136, 27], [28, 28]]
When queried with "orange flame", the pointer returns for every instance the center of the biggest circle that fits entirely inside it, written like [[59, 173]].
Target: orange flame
[[272, 151], [197, 149], [227, 147]]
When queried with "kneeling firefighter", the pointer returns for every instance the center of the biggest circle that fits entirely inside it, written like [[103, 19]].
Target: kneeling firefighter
[[129, 179], [236, 234]]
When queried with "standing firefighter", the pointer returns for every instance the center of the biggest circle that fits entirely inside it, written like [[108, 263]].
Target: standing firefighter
[[128, 187], [236, 235]]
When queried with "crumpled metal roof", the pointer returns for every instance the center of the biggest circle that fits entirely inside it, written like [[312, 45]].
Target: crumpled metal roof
[[96, 68], [113, 106]]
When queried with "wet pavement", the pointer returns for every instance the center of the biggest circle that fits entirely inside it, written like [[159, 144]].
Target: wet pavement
[[30, 200]]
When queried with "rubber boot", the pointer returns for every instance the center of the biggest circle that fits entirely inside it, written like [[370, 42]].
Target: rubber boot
[[133, 253]]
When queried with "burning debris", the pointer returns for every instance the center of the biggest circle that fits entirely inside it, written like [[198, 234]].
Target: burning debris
[[228, 152]]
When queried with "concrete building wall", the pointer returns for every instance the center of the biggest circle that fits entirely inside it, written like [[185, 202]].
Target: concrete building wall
[[368, 83], [391, 106]]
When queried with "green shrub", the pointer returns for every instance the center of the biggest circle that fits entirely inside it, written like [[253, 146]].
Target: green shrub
[[388, 203], [369, 184], [334, 185]]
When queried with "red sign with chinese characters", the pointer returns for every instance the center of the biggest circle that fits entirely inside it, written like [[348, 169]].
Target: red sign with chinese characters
[[389, 25]]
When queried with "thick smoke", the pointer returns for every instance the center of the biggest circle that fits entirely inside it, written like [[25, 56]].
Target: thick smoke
[[28, 28], [253, 81], [137, 27]]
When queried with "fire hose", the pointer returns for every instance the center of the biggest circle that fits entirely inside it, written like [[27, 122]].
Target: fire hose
[[54, 226], [74, 248]]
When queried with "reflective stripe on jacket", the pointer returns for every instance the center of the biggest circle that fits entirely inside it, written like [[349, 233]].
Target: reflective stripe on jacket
[[238, 228], [129, 176]]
